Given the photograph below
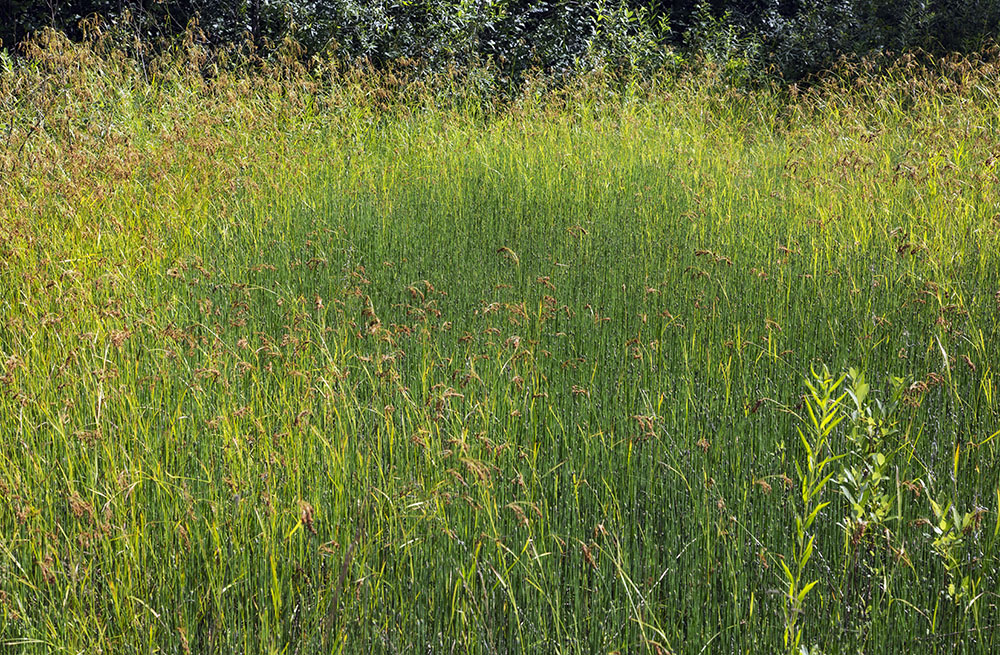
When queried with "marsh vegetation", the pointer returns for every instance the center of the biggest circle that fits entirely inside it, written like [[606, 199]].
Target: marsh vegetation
[[353, 360]]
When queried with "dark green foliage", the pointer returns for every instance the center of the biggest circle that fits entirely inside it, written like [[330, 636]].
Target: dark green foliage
[[794, 38], [808, 39]]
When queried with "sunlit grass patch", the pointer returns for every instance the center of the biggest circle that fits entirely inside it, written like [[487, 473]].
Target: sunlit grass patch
[[285, 367]]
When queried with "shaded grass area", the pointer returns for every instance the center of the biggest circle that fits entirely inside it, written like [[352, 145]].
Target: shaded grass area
[[289, 369]]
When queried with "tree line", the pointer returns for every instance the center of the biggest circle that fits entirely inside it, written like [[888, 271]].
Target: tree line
[[788, 38]]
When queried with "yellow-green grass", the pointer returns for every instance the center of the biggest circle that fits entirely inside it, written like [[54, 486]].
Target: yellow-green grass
[[351, 363]]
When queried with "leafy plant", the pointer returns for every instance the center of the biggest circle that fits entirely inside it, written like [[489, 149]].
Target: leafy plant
[[823, 406], [952, 530], [863, 480]]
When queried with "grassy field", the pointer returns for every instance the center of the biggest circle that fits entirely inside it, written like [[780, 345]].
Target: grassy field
[[353, 363]]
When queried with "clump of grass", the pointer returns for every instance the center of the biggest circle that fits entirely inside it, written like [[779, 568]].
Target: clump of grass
[[333, 360]]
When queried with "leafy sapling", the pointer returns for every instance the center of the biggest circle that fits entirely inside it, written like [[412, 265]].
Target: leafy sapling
[[814, 472]]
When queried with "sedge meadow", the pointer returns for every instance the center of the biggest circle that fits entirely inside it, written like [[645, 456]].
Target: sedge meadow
[[347, 361]]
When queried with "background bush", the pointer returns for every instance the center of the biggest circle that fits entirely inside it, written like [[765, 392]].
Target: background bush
[[789, 38]]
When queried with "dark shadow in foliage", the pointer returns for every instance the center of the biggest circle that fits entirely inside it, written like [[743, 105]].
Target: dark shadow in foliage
[[791, 38]]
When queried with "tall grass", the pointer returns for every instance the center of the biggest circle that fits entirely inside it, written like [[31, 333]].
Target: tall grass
[[347, 362]]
